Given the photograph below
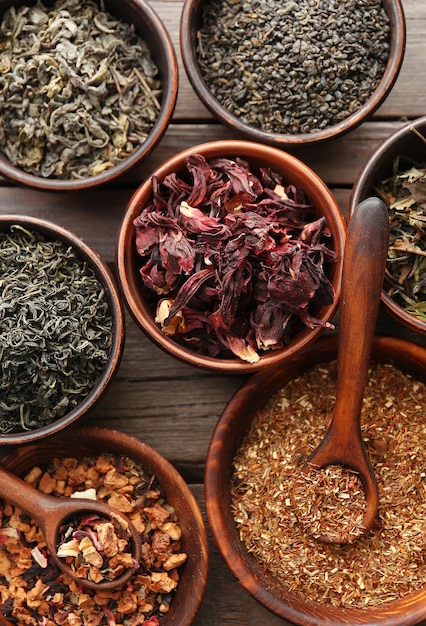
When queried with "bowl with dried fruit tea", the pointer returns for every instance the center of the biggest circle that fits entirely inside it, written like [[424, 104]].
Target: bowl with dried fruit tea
[[396, 171], [229, 256], [88, 90], [295, 73], [103, 465], [61, 328], [260, 443]]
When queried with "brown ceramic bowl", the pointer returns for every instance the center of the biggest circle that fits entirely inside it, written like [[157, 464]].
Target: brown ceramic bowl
[[257, 155], [150, 28], [191, 21], [89, 441], [410, 148], [234, 422], [54, 232]]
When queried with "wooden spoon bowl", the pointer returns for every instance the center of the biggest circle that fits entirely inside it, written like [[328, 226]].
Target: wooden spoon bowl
[[234, 422]]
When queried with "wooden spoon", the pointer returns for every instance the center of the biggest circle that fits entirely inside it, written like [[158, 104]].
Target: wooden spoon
[[51, 513], [364, 262]]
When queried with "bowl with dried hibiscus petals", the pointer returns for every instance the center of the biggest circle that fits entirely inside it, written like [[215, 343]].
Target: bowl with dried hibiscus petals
[[62, 328], [229, 256], [88, 90], [396, 172], [104, 465], [259, 445]]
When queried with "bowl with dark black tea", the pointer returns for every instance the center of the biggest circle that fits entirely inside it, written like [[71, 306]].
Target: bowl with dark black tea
[[260, 443], [229, 256], [293, 73], [167, 582], [61, 328], [396, 171], [88, 90]]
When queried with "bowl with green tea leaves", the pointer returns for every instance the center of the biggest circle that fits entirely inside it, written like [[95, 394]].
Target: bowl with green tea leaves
[[295, 73], [229, 256], [396, 172], [88, 89], [61, 329]]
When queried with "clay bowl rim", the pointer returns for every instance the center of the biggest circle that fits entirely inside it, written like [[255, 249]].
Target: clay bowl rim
[[125, 256], [378, 167], [86, 440], [164, 55], [189, 23], [106, 278], [230, 428]]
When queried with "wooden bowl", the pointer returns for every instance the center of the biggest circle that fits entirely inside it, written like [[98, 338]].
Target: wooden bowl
[[380, 166], [257, 155], [234, 422], [191, 21], [88, 441], [150, 28], [55, 232]]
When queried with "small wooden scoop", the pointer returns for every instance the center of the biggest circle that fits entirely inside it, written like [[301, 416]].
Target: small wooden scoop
[[366, 249], [51, 513]]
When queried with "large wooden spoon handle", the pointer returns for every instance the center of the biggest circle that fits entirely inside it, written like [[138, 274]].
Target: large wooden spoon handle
[[363, 273]]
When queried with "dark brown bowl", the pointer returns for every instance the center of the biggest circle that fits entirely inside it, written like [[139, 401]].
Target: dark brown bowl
[[234, 422], [380, 166], [257, 155], [106, 279], [189, 27], [151, 28], [88, 441]]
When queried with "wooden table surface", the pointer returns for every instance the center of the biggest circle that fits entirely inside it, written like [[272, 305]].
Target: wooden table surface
[[171, 406]]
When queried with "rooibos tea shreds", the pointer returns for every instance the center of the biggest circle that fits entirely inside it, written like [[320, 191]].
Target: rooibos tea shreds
[[55, 329], [293, 67], [79, 89], [233, 260], [381, 566]]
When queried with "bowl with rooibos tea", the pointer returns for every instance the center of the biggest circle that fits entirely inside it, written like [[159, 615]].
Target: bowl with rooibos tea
[[168, 581], [229, 256], [61, 328], [298, 73], [396, 171], [259, 445], [88, 90]]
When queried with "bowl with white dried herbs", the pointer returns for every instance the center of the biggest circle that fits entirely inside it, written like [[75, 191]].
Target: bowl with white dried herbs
[[256, 452], [396, 171], [168, 581], [292, 73], [87, 90], [229, 256], [61, 328]]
